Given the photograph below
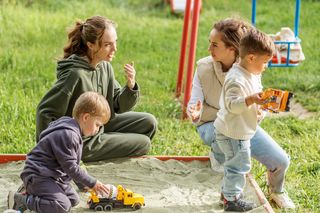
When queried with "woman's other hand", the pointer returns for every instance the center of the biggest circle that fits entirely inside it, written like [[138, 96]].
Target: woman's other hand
[[194, 111]]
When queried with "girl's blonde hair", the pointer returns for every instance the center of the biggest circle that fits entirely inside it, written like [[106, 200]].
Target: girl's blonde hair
[[94, 104]]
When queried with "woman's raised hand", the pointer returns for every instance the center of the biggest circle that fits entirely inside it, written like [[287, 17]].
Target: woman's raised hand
[[130, 74]]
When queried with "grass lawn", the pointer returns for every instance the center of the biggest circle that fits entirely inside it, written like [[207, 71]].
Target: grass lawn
[[33, 33]]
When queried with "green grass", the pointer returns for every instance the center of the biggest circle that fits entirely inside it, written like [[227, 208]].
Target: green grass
[[33, 32]]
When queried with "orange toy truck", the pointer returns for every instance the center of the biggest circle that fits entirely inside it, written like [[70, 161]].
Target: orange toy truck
[[277, 100]]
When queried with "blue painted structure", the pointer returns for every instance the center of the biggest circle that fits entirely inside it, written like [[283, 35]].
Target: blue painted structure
[[288, 43]]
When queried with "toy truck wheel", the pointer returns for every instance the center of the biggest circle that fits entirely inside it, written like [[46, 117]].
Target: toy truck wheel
[[136, 206], [98, 208], [108, 207]]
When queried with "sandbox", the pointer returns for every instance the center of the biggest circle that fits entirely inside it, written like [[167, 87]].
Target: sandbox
[[168, 183]]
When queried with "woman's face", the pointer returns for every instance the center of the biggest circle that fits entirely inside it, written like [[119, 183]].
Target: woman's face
[[108, 47], [218, 49]]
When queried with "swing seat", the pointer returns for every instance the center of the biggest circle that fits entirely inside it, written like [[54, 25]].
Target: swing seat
[[288, 48]]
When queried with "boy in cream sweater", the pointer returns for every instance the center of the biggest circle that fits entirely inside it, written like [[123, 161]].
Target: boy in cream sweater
[[240, 114]]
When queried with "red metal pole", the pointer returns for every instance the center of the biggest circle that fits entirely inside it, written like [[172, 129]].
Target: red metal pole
[[184, 41], [192, 54]]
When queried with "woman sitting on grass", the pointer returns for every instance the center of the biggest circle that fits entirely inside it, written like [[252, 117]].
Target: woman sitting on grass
[[224, 41], [85, 67]]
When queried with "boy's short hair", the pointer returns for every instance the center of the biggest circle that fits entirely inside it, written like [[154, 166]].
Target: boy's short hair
[[257, 43], [94, 104]]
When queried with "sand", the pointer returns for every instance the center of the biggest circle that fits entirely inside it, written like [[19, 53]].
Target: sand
[[168, 186]]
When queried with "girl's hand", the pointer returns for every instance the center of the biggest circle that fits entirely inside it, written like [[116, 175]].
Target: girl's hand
[[130, 74], [195, 111]]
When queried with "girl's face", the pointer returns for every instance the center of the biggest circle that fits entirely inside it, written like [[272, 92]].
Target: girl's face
[[218, 49], [89, 125], [108, 47]]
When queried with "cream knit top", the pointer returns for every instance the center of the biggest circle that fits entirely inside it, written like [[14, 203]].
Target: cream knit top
[[235, 119]]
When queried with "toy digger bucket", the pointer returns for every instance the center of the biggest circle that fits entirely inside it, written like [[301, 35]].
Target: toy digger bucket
[[277, 100]]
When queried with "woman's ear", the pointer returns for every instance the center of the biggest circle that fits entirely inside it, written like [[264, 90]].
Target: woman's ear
[[90, 45], [232, 49]]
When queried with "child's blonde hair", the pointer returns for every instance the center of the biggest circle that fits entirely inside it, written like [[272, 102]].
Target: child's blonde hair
[[257, 43], [94, 104]]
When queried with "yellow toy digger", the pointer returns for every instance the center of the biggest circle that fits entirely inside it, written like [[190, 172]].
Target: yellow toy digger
[[124, 199], [277, 100]]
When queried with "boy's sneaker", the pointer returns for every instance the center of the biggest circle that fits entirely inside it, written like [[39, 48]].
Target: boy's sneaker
[[215, 165], [17, 201], [221, 201], [238, 205], [282, 200]]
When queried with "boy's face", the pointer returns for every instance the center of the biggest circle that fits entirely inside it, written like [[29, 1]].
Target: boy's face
[[89, 125], [257, 63]]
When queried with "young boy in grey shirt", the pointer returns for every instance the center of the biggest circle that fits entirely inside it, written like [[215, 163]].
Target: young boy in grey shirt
[[54, 161]]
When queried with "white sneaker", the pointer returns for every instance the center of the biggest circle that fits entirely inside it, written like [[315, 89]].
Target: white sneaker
[[282, 200], [215, 165]]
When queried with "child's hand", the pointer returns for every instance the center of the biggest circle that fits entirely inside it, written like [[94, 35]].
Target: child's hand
[[255, 99], [130, 74], [195, 111], [100, 188]]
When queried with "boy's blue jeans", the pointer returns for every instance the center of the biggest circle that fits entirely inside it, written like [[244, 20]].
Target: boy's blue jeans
[[263, 148], [236, 165]]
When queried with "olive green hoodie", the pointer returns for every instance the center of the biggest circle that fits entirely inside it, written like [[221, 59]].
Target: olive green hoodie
[[76, 76]]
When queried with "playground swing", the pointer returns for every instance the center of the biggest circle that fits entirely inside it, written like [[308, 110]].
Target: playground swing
[[286, 48]]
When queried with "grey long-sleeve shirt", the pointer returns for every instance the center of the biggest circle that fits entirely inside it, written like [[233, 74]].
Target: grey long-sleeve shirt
[[58, 154]]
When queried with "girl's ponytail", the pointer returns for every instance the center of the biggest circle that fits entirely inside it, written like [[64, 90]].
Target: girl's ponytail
[[75, 44]]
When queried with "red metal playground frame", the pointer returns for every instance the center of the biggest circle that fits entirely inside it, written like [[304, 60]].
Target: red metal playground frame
[[6, 158]]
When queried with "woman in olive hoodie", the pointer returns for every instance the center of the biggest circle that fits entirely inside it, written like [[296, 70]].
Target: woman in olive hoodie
[[86, 67]]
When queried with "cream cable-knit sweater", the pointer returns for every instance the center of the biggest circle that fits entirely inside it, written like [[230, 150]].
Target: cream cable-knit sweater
[[235, 119]]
